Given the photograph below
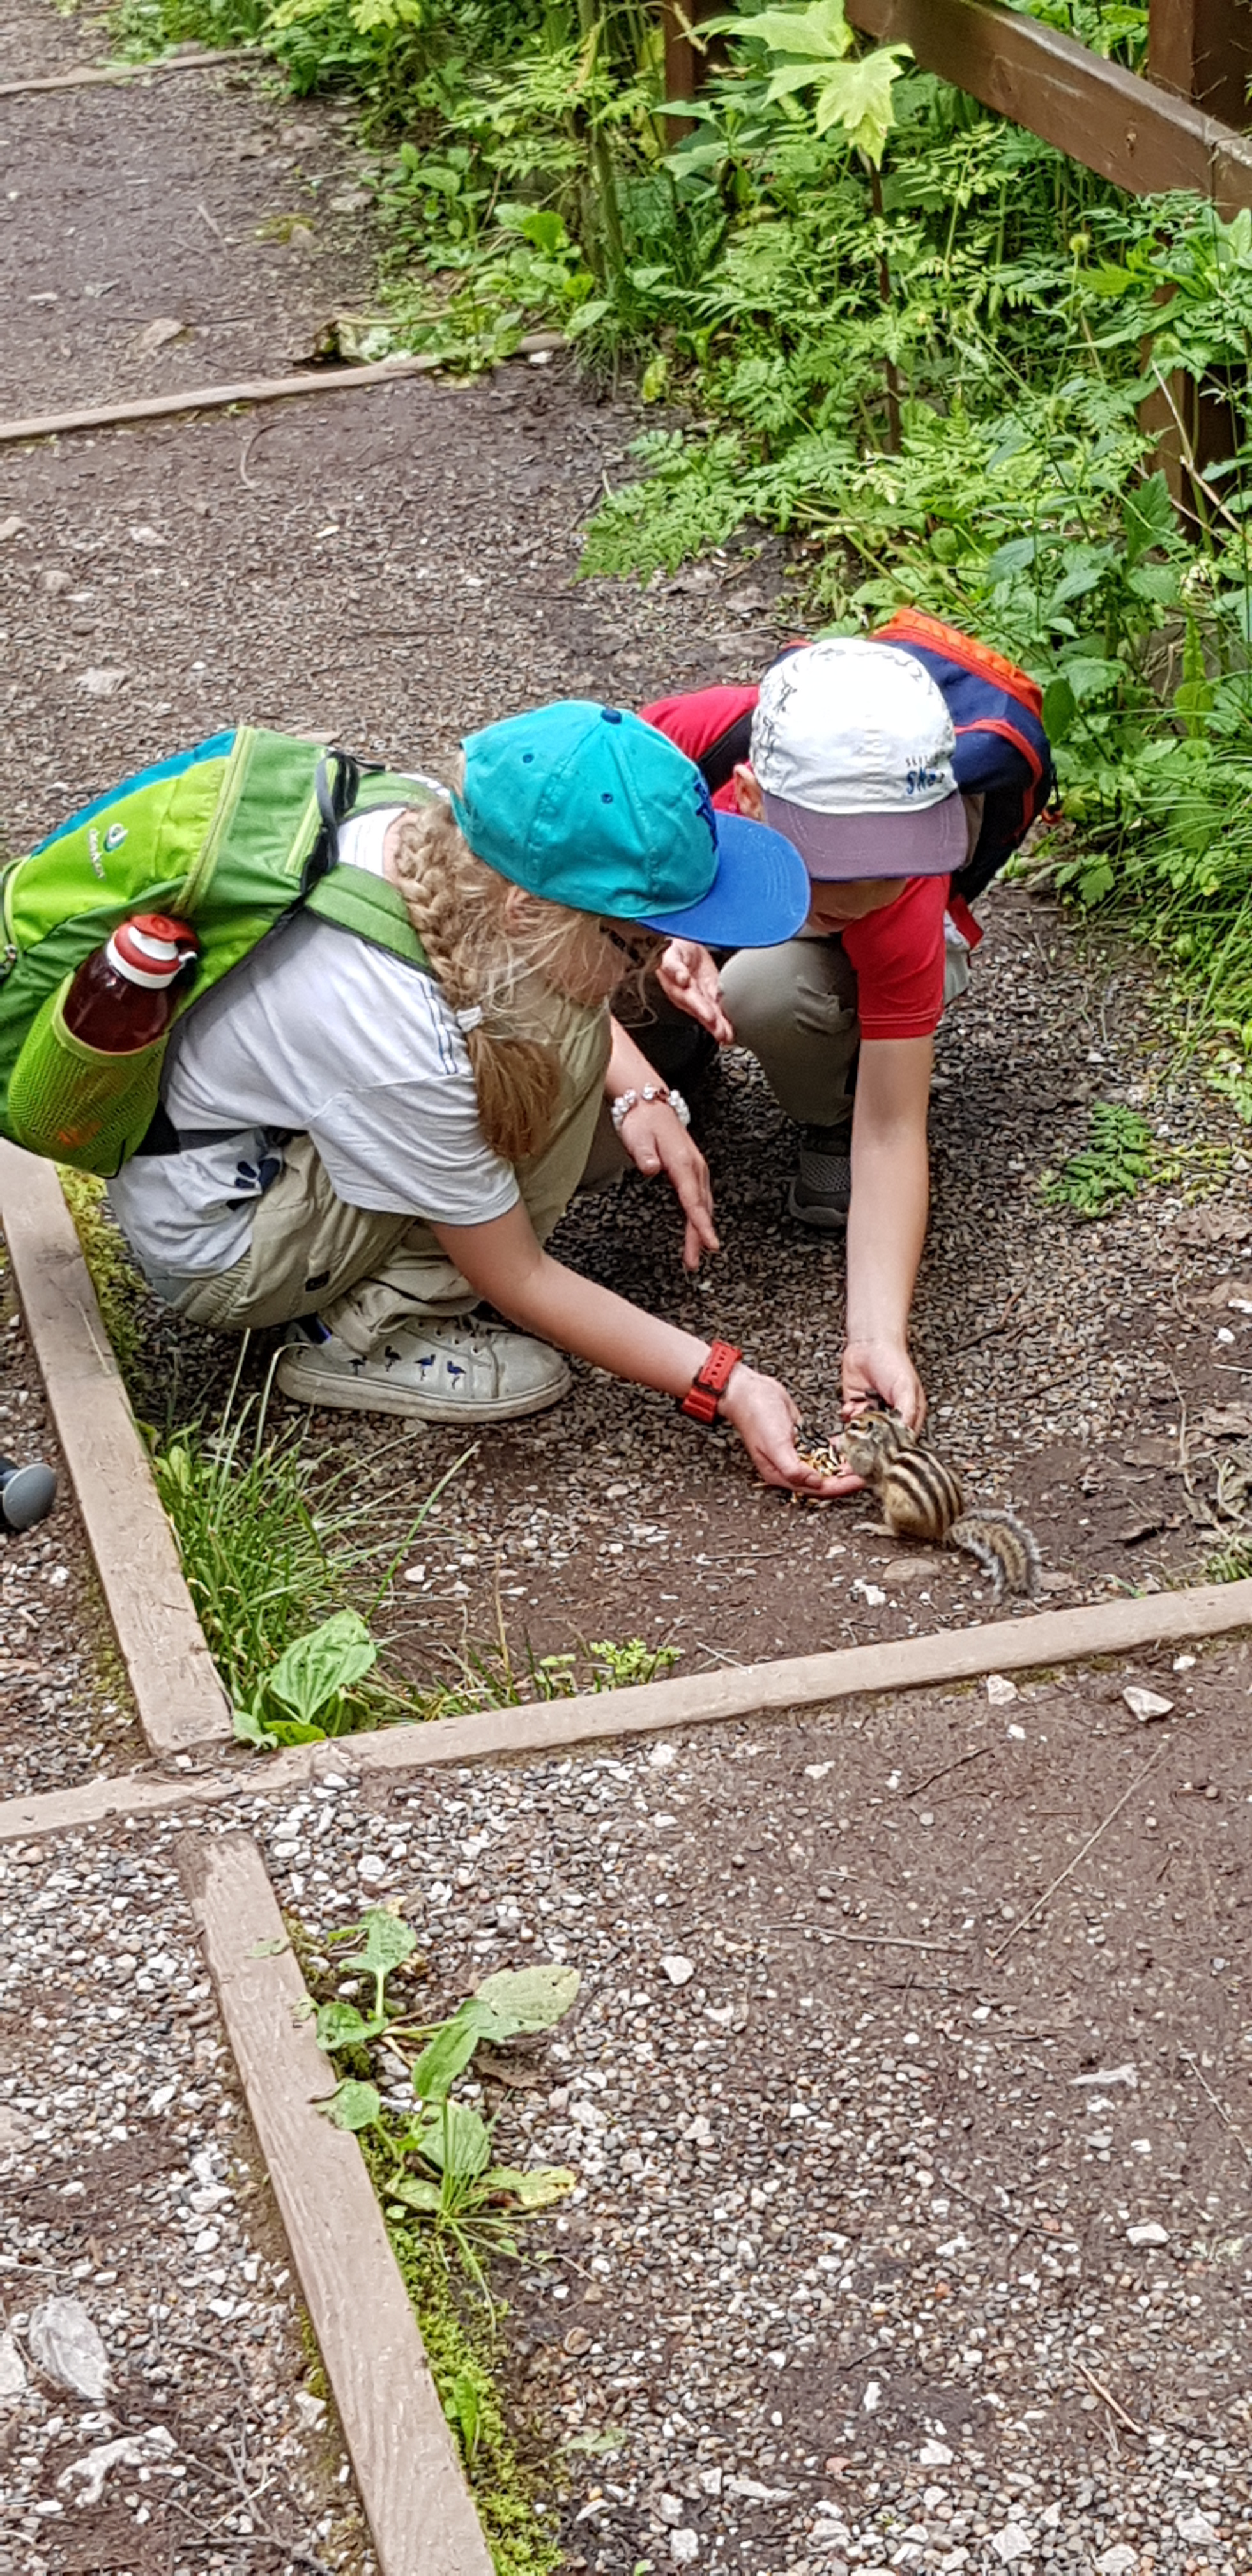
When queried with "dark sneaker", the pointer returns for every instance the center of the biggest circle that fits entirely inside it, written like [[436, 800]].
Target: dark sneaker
[[821, 1192]]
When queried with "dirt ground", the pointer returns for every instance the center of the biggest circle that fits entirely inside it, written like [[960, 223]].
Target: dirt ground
[[848, 2282], [131, 2183], [398, 566], [868, 2134], [64, 1701]]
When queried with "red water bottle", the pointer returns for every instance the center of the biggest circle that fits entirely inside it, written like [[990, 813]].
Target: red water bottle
[[122, 996]]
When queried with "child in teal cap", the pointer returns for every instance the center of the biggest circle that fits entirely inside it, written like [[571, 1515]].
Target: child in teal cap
[[361, 1149]]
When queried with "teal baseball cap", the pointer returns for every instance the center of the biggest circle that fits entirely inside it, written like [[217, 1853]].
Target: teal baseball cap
[[591, 807]]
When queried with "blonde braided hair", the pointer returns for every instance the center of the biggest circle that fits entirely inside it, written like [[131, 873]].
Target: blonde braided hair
[[487, 942]]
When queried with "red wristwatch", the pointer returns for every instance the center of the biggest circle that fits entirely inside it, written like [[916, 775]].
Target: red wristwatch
[[707, 1389]]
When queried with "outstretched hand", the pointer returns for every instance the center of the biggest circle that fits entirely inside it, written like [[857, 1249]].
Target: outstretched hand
[[656, 1140], [767, 1419], [689, 979], [883, 1373]]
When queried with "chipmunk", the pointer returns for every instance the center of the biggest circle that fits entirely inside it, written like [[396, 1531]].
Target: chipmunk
[[922, 1498]]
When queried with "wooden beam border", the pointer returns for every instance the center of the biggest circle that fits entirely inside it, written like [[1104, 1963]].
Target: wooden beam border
[[416, 2502], [792, 1687], [104, 75], [179, 1700]]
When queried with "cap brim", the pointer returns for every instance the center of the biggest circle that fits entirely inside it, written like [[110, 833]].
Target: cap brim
[[759, 896], [837, 848]]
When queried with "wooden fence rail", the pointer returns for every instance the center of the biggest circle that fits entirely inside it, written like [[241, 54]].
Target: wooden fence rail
[[1179, 128]]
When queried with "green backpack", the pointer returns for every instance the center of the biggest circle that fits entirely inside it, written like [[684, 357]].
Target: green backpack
[[234, 837]]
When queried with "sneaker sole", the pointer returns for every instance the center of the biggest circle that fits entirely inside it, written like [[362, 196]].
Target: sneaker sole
[[354, 1395], [823, 1220]]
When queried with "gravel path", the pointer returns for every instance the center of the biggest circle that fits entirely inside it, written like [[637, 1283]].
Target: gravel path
[[398, 566], [851, 2214], [64, 1702], [131, 2184], [900, 2239]]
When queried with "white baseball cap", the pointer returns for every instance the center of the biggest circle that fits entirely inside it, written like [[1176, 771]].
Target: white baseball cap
[[852, 748]]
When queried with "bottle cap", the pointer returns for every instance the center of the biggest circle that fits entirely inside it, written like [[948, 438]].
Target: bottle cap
[[151, 949]]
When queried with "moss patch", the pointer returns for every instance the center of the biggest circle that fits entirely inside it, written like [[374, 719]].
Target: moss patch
[[117, 1284], [462, 2346]]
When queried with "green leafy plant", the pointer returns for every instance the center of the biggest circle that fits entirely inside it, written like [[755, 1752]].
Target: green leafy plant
[[439, 2159], [808, 48], [310, 1693], [1111, 1168]]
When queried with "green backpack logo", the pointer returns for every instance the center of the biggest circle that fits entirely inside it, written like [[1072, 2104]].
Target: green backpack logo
[[233, 837]]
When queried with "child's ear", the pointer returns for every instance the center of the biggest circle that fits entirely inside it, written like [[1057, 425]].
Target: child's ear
[[748, 793]]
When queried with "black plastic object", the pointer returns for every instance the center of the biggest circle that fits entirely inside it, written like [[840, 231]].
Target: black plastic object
[[27, 1494]]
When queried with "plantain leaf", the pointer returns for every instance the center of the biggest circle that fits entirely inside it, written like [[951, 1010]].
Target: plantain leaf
[[316, 1668], [447, 2055], [456, 2141], [355, 2106], [342, 2026], [526, 1999], [388, 1943], [537, 2189], [416, 2193]]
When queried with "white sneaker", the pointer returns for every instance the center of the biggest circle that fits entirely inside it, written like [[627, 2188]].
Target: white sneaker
[[454, 1372]]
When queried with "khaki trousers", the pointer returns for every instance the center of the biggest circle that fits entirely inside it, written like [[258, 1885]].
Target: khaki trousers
[[794, 1007], [364, 1272]]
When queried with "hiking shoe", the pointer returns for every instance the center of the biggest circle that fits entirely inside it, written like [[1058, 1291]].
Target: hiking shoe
[[454, 1372], [821, 1192]]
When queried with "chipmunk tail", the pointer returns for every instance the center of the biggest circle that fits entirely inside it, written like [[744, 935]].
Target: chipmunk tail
[[1005, 1549]]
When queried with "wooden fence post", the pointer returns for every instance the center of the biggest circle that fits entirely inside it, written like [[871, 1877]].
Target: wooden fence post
[[682, 63], [1202, 51]]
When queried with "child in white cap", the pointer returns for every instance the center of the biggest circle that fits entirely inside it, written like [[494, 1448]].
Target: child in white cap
[[851, 757]]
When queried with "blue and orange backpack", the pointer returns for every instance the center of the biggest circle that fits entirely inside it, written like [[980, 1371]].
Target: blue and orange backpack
[[1002, 752]]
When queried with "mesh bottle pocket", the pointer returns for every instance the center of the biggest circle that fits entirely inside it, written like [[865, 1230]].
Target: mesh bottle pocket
[[70, 1102]]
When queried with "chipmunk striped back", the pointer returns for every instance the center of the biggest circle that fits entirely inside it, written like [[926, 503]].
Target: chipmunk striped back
[[922, 1497]]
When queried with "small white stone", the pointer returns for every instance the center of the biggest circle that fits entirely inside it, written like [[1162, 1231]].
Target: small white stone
[[102, 682], [311, 2410], [1000, 1691], [935, 2455], [1196, 2527], [872, 1594], [64, 2344], [1010, 2543], [679, 1971], [371, 1868], [12, 2371], [1145, 1704], [684, 2547], [1148, 2232], [671, 2510], [1119, 2560], [661, 1756], [817, 1770]]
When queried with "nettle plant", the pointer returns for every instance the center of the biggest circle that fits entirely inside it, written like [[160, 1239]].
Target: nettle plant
[[435, 2161]]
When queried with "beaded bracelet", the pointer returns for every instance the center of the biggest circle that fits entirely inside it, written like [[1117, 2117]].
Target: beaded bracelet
[[628, 1100]]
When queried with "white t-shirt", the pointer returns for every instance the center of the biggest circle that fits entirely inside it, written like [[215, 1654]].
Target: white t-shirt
[[317, 1033]]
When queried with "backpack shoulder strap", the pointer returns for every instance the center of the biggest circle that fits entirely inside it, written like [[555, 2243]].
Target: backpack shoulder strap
[[369, 907]]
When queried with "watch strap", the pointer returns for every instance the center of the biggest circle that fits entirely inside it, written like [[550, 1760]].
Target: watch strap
[[710, 1382]]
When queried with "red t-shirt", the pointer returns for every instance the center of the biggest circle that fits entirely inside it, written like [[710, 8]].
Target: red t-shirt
[[898, 952]]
